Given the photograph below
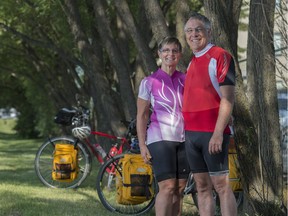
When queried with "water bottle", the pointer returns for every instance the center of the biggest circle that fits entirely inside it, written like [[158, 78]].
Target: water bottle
[[100, 150]]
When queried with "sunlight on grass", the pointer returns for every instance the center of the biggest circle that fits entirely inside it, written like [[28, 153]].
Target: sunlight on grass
[[7, 125], [40, 192], [31, 200], [22, 193]]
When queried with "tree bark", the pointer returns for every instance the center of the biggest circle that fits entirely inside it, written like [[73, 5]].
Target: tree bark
[[262, 93], [116, 58], [144, 51], [97, 83], [156, 19], [258, 150], [183, 9]]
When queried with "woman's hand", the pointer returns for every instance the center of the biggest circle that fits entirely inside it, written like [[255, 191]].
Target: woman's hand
[[145, 154]]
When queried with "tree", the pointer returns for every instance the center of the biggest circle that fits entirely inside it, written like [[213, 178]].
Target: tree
[[281, 24], [255, 137], [262, 94]]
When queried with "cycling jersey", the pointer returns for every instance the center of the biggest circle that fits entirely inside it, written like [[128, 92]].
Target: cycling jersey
[[165, 95], [209, 69]]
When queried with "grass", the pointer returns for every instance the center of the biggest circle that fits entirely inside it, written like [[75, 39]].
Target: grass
[[22, 193]]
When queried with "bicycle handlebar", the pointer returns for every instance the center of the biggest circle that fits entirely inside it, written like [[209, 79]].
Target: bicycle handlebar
[[78, 116]]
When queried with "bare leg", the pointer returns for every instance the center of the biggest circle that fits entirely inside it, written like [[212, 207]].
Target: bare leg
[[226, 196], [164, 200], [178, 197], [204, 187]]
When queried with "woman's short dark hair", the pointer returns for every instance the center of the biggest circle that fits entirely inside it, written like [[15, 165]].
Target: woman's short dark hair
[[169, 40]]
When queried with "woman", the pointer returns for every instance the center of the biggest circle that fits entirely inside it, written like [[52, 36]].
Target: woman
[[162, 144]]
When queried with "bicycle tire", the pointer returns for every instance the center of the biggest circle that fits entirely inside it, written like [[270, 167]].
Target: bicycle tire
[[106, 190], [44, 162]]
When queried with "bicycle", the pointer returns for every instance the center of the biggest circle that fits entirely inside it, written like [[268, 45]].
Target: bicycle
[[78, 118], [106, 187]]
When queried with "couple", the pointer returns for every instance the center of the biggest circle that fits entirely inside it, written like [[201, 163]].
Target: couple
[[198, 142]]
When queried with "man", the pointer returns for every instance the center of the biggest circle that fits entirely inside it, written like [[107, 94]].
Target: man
[[207, 106]]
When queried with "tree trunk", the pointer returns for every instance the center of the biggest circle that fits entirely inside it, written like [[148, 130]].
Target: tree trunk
[[116, 58], [183, 9], [262, 93], [97, 83], [144, 51], [156, 19], [255, 178]]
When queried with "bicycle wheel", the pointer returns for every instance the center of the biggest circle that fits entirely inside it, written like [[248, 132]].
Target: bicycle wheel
[[44, 162], [107, 191]]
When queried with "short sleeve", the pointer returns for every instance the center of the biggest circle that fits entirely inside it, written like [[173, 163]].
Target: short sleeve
[[223, 65], [145, 89]]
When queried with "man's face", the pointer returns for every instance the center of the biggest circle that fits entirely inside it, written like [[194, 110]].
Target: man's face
[[197, 36]]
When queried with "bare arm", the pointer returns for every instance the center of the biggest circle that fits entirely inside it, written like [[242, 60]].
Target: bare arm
[[142, 120], [224, 115]]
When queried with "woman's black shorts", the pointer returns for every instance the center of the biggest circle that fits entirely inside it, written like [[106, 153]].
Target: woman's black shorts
[[169, 160]]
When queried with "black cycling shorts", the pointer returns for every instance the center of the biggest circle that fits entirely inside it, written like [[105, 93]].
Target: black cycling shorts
[[199, 158], [169, 160]]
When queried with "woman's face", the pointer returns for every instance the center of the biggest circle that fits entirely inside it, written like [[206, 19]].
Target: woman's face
[[197, 36], [169, 54]]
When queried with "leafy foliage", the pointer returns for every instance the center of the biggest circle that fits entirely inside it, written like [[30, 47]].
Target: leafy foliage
[[42, 54]]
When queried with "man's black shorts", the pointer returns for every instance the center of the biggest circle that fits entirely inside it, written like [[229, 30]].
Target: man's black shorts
[[199, 158]]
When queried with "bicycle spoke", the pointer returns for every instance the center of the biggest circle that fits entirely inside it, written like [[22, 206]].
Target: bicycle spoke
[[44, 164], [107, 190]]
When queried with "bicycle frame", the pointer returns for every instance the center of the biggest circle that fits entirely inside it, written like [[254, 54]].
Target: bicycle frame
[[78, 117], [116, 149]]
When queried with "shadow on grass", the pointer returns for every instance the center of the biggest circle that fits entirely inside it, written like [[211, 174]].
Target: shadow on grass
[[17, 173], [9, 136], [19, 176], [32, 204]]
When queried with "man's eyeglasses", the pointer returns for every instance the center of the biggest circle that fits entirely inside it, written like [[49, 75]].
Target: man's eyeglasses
[[166, 51], [197, 30]]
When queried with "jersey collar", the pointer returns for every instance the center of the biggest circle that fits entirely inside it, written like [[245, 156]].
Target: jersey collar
[[203, 51]]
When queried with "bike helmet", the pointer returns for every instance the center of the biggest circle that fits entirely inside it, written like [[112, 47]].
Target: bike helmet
[[81, 132]]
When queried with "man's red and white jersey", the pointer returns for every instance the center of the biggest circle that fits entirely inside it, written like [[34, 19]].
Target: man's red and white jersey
[[207, 71]]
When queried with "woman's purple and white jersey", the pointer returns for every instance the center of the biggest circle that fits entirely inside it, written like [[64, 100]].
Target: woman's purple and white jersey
[[165, 95]]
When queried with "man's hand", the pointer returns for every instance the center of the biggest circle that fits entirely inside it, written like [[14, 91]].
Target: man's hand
[[215, 144]]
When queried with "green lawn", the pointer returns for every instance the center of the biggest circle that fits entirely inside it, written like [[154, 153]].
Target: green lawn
[[22, 193]]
